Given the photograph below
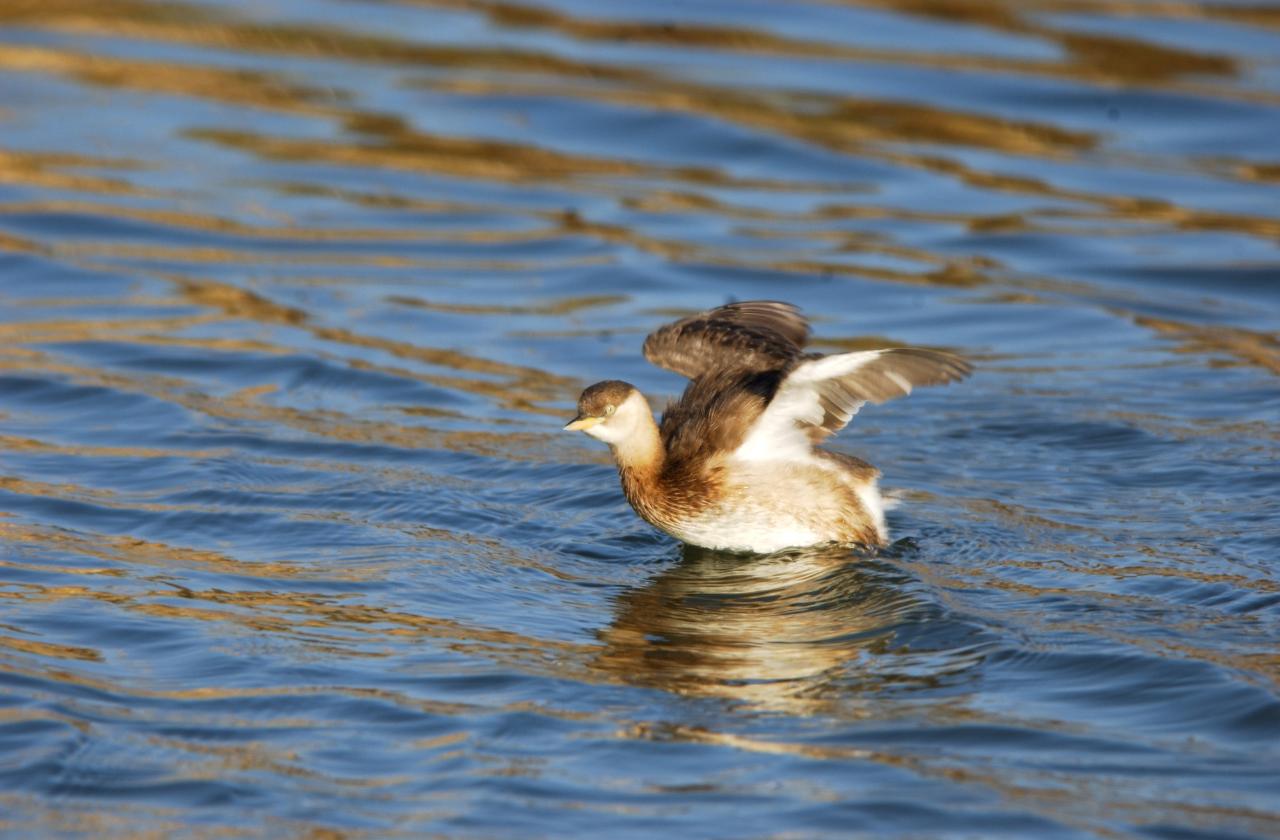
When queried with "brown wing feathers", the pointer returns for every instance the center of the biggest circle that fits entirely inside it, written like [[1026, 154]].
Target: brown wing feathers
[[743, 355], [890, 374], [899, 369], [753, 335]]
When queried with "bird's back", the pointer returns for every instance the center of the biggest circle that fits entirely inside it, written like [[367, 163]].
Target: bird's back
[[735, 357]]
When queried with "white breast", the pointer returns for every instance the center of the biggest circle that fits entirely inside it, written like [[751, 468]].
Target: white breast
[[752, 532], [782, 507]]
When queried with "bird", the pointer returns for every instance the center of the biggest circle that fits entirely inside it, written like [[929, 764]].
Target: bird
[[734, 464]]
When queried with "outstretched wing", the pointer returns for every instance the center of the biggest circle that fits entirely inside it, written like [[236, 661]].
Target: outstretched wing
[[751, 335], [819, 396]]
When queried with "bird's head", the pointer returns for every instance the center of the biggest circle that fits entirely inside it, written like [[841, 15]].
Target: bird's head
[[610, 411]]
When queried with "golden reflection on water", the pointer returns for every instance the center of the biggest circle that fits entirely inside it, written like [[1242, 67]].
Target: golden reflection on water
[[776, 632], [872, 129], [57, 171], [519, 387], [848, 125], [1249, 347], [233, 86], [119, 552], [1087, 56]]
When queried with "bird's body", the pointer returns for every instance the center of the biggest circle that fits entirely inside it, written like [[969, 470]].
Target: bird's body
[[765, 507], [733, 465]]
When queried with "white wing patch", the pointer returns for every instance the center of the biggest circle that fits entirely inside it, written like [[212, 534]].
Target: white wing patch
[[819, 396], [782, 431]]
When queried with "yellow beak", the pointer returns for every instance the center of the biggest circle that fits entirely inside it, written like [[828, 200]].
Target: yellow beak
[[581, 424]]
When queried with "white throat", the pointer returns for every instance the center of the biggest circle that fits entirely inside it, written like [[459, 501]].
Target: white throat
[[624, 423]]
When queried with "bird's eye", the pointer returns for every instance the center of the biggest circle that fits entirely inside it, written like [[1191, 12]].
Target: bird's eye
[[608, 410]]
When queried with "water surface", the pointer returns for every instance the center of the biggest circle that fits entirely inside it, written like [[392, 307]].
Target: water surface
[[295, 297]]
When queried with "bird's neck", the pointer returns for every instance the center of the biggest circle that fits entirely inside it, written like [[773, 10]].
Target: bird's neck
[[640, 455]]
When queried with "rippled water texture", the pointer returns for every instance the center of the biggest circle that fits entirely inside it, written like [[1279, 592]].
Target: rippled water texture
[[295, 297]]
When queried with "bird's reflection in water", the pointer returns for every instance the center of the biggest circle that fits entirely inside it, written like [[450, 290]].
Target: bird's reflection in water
[[781, 632]]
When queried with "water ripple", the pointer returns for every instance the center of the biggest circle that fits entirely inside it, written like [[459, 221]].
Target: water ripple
[[290, 541]]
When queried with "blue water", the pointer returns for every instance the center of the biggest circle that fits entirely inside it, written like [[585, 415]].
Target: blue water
[[295, 297]]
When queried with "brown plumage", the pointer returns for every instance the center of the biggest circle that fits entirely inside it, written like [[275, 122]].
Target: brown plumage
[[752, 335], [732, 464]]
